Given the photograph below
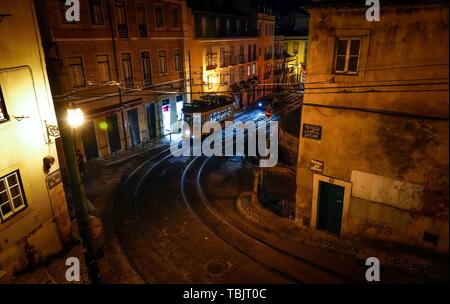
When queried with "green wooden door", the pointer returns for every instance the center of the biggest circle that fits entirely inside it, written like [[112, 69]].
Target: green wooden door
[[331, 202]]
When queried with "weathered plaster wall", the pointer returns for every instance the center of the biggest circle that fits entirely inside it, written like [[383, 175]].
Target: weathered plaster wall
[[38, 230], [396, 164], [398, 167]]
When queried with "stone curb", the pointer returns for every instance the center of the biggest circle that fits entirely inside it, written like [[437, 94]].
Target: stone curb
[[255, 213]]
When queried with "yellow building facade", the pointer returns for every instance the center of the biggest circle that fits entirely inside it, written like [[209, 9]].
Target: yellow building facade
[[296, 46], [229, 54], [34, 219]]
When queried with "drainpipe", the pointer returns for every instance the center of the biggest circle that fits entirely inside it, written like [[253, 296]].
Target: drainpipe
[[54, 70]]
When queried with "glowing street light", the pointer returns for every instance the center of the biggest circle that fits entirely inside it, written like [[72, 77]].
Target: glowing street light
[[75, 117]]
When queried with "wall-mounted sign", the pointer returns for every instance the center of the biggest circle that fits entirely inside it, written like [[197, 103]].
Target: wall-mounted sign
[[312, 131], [54, 179], [316, 166]]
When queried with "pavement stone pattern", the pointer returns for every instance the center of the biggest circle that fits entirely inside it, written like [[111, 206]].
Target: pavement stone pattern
[[432, 269], [54, 270], [101, 180]]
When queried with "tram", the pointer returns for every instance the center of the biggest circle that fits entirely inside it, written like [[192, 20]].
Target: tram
[[209, 108]]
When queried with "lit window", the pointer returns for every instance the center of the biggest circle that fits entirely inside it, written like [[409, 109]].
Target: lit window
[[162, 61], [127, 70], [3, 114], [211, 59], [77, 72], [104, 74], [295, 48], [12, 197], [347, 56]]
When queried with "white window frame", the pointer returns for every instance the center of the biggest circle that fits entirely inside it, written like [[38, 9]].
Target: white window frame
[[10, 201], [98, 67], [159, 62], [317, 178], [347, 56]]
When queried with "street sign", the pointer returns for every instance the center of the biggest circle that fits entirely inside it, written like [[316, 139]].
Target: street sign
[[312, 131], [316, 166]]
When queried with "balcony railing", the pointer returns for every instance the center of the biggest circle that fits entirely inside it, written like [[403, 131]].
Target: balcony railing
[[211, 61], [223, 32], [122, 28], [268, 56]]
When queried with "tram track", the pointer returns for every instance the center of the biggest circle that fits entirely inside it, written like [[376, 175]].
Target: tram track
[[306, 266], [133, 184]]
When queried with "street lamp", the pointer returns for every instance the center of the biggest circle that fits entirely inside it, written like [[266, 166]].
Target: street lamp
[[75, 117]]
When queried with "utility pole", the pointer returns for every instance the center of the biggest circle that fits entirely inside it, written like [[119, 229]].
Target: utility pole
[[79, 200]]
